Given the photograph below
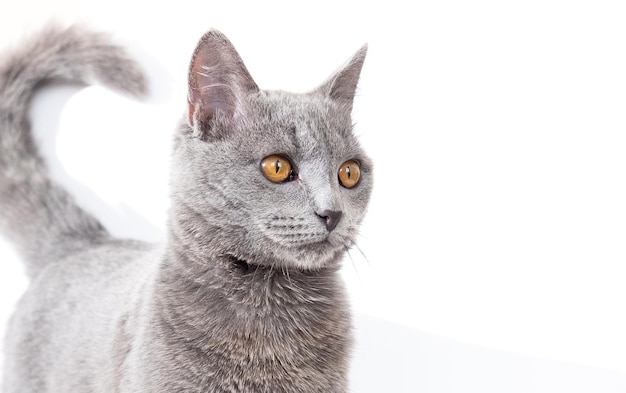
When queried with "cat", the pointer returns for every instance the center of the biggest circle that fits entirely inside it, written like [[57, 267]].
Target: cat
[[268, 190]]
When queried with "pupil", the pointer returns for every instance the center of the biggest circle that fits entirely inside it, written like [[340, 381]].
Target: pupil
[[277, 165], [348, 171]]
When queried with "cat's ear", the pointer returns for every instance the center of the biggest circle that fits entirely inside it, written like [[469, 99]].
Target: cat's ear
[[341, 86], [218, 84]]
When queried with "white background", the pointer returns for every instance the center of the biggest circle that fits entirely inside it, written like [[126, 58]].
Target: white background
[[495, 242]]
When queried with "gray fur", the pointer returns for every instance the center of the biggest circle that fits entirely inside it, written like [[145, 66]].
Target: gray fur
[[244, 296]]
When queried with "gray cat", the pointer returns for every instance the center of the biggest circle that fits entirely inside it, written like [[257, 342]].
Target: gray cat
[[268, 191]]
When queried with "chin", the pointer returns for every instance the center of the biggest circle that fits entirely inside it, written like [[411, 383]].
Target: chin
[[316, 256]]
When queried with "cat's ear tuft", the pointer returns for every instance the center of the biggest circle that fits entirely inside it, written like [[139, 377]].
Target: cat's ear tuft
[[341, 86], [219, 84]]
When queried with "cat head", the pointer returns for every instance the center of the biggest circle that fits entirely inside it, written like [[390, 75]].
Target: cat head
[[267, 177]]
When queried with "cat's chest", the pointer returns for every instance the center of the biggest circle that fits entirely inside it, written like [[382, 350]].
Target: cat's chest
[[261, 354], [255, 333]]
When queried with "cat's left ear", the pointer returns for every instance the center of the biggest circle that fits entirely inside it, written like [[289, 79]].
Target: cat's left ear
[[341, 86], [219, 85]]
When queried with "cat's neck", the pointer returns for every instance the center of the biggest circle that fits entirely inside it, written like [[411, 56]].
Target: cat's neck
[[219, 305], [214, 287]]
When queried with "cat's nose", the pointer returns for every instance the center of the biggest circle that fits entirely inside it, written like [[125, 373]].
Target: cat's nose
[[331, 218]]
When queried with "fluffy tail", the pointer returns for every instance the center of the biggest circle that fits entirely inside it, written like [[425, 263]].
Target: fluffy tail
[[37, 215]]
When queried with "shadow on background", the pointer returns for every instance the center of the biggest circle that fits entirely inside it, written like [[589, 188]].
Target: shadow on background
[[393, 358]]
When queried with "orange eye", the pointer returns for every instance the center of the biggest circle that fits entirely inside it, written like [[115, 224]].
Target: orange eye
[[349, 174], [276, 169]]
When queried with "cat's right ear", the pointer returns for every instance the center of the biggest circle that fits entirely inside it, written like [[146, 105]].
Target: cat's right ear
[[218, 85]]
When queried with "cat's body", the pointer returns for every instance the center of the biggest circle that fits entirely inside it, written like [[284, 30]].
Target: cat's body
[[244, 295]]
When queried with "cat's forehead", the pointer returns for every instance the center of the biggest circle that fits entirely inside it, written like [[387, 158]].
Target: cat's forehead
[[302, 124]]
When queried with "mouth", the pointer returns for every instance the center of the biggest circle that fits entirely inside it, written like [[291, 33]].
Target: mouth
[[240, 265], [237, 263]]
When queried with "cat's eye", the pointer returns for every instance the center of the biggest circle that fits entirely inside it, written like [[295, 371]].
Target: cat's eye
[[277, 169], [349, 174]]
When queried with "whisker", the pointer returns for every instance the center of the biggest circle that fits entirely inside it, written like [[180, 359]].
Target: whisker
[[257, 268], [271, 269], [352, 260], [269, 277], [363, 254], [285, 270]]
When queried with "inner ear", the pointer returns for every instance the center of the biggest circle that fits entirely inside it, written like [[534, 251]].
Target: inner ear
[[219, 83]]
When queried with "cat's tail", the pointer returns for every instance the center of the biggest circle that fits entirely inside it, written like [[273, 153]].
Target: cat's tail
[[36, 214]]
